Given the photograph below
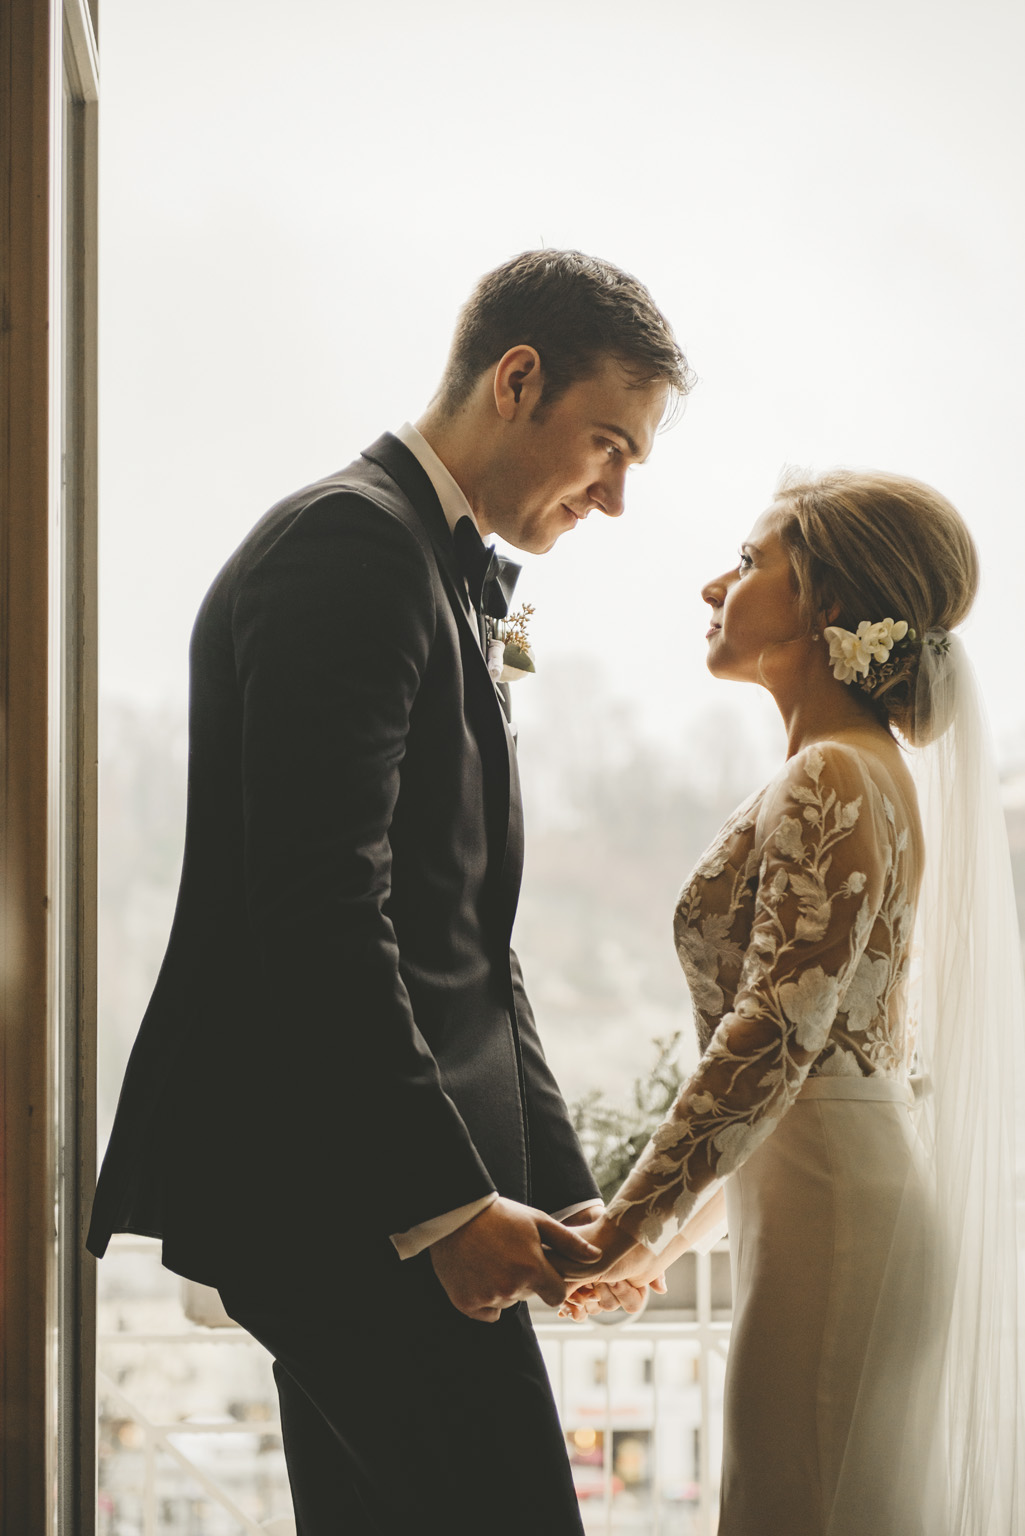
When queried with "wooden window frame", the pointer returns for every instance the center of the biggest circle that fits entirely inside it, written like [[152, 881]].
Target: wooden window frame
[[48, 109]]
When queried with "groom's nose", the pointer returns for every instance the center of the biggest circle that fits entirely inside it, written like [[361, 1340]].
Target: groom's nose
[[609, 493]]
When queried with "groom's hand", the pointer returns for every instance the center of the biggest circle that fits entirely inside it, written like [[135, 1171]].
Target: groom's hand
[[498, 1258], [621, 1254]]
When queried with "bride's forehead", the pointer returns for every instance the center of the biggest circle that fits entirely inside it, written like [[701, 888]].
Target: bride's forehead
[[766, 527]]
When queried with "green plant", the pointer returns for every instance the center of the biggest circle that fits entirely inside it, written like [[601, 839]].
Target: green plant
[[614, 1138]]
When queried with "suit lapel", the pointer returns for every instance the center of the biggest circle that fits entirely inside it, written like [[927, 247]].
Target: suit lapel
[[505, 814], [414, 482]]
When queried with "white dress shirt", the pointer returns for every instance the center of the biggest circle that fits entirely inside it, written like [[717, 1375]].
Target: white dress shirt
[[454, 505]]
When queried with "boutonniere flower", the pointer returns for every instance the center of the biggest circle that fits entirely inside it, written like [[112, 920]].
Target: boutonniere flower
[[509, 653]]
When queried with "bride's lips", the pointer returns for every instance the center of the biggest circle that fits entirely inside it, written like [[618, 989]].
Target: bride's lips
[[713, 629]]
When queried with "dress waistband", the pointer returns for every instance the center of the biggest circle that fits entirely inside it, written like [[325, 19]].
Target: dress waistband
[[874, 1089]]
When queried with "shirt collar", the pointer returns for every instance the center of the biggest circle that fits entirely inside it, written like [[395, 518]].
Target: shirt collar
[[453, 503]]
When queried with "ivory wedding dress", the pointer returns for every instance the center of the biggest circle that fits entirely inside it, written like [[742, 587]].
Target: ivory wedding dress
[[872, 1384], [799, 922]]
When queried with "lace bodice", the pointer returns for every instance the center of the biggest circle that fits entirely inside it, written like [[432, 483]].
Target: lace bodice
[[794, 933]]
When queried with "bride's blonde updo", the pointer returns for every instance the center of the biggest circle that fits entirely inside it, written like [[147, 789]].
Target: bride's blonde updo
[[878, 546]]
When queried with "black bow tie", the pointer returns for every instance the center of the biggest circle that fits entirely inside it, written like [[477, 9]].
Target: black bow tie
[[490, 578]]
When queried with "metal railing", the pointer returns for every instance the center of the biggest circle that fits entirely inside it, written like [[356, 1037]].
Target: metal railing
[[157, 1440], [673, 1492]]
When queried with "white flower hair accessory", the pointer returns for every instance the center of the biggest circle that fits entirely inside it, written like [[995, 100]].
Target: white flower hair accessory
[[879, 654], [853, 655]]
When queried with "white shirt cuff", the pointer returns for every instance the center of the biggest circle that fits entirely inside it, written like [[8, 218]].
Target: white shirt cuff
[[409, 1244], [584, 1205]]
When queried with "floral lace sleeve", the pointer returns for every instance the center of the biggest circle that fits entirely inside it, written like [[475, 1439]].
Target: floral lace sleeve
[[826, 845]]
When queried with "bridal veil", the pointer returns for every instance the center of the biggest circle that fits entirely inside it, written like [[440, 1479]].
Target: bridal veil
[[960, 1471]]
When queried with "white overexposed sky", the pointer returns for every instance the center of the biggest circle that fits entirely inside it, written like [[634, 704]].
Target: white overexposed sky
[[827, 200]]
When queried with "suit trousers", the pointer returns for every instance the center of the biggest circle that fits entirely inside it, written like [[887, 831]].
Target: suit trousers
[[399, 1413]]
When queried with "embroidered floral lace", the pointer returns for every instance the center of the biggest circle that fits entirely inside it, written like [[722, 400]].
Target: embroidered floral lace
[[794, 932]]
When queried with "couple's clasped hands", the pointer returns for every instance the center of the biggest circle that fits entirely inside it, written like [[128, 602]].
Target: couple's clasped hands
[[510, 1251], [622, 1277]]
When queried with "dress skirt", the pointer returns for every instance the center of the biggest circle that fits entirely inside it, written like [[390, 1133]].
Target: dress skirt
[[831, 1376]]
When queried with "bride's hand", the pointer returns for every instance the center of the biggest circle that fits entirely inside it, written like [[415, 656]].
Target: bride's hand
[[601, 1296], [615, 1244]]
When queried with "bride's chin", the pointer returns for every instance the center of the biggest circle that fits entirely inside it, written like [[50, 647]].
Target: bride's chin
[[723, 672]]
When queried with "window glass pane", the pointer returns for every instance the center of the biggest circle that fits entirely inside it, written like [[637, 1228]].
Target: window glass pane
[[280, 285], [189, 1440]]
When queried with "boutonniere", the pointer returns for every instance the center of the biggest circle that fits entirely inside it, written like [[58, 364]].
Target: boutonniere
[[509, 654]]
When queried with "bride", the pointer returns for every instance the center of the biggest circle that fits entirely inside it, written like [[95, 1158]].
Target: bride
[[851, 1121]]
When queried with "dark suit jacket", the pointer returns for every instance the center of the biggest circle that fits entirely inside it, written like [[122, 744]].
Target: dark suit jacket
[[339, 1045]]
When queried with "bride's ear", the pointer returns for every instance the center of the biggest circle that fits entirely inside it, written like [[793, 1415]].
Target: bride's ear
[[827, 615]]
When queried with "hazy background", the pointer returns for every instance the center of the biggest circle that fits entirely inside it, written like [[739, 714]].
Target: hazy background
[[826, 200]]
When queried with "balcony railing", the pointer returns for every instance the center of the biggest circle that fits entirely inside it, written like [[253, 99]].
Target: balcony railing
[[190, 1443]]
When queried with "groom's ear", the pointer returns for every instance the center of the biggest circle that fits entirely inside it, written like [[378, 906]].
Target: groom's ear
[[517, 383]]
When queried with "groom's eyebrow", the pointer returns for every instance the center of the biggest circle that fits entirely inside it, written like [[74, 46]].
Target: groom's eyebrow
[[610, 426]]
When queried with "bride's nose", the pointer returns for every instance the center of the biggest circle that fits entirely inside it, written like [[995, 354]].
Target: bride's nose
[[714, 592]]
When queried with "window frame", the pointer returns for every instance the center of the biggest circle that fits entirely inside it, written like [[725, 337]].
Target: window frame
[[48, 485]]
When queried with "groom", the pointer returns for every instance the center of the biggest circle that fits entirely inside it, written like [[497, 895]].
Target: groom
[[337, 1110]]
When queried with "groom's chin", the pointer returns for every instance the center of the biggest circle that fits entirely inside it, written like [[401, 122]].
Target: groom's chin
[[547, 533], [538, 543], [547, 538]]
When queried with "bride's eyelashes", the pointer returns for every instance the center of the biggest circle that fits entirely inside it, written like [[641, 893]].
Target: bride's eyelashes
[[746, 562]]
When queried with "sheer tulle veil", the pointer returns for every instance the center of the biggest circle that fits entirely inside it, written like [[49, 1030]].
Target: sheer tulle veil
[[970, 1049]]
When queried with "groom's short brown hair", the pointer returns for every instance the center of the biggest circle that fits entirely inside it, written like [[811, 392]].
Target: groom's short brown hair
[[576, 311]]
